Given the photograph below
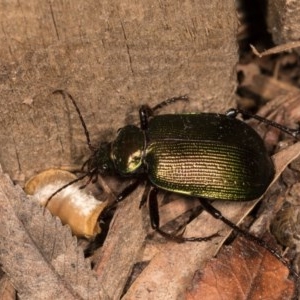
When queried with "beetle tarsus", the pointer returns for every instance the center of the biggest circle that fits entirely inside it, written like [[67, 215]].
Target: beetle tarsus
[[180, 239], [145, 111], [202, 239]]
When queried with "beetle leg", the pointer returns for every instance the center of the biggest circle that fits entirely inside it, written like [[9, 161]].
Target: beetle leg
[[233, 112], [154, 220], [145, 111], [169, 101], [153, 209], [217, 214], [145, 195], [128, 190]]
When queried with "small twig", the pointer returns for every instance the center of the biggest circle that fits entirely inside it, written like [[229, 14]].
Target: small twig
[[276, 49]]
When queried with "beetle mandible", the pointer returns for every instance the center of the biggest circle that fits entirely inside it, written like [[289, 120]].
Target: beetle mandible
[[206, 155]]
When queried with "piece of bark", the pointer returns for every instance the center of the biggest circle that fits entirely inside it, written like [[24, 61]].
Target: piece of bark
[[111, 56], [283, 19]]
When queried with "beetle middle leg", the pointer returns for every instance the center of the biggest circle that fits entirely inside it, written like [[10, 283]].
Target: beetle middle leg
[[154, 220], [145, 111], [218, 215], [169, 101]]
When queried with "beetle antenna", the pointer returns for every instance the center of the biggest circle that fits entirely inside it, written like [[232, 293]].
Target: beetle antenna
[[63, 187], [64, 94]]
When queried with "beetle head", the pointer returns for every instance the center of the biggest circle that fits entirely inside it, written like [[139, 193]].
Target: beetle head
[[100, 161], [123, 156]]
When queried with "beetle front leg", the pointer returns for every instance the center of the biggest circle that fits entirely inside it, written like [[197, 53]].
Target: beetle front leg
[[154, 220], [128, 190], [145, 195]]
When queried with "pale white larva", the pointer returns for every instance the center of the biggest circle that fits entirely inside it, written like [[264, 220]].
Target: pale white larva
[[72, 205]]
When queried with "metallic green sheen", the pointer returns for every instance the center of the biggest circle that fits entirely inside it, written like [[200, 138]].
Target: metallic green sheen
[[207, 155], [127, 150]]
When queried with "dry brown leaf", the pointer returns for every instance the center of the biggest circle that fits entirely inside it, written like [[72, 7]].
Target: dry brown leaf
[[265, 86], [288, 104], [250, 71], [283, 158], [40, 255], [123, 245], [242, 271], [7, 290]]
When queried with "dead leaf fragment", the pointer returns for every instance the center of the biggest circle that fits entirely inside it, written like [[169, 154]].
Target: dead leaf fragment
[[242, 271], [33, 244], [7, 291]]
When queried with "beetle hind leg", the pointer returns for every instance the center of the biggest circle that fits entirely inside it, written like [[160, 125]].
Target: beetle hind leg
[[233, 112], [180, 239], [154, 220], [217, 215]]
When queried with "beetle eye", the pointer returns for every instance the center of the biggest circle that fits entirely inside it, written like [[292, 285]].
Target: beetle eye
[[104, 167]]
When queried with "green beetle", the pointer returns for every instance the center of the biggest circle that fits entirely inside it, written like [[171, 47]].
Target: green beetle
[[205, 155]]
